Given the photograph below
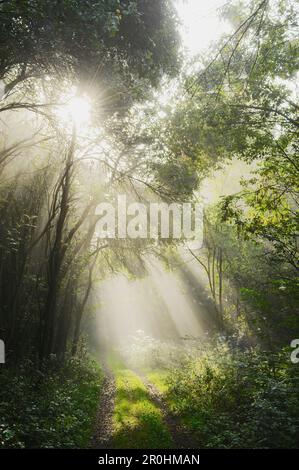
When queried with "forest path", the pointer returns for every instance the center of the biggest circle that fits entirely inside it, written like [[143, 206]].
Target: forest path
[[129, 417], [181, 437], [103, 426], [134, 414]]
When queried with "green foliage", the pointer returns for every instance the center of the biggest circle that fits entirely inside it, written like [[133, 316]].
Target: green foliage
[[260, 288], [55, 407], [115, 43], [271, 215], [242, 105], [236, 399]]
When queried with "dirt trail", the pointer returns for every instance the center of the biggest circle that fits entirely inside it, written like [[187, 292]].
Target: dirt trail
[[103, 427]]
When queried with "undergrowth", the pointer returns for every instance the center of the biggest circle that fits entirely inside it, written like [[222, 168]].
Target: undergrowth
[[51, 409]]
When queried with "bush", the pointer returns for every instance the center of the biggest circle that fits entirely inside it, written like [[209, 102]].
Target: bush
[[231, 398], [54, 408]]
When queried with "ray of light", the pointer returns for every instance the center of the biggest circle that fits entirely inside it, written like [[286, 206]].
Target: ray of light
[[166, 305]]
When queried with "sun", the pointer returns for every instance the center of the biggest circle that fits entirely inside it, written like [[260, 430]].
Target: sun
[[75, 110], [78, 109]]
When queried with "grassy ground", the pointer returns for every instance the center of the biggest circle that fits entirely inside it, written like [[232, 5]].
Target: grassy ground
[[158, 377], [137, 421]]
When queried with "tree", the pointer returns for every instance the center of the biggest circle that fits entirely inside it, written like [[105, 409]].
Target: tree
[[241, 105], [109, 47]]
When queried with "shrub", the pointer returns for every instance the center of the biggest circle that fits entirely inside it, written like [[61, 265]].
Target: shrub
[[54, 408], [232, 398]]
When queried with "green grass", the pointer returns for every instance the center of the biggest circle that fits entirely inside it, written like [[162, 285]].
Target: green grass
[[158, 377], [137, 421]]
